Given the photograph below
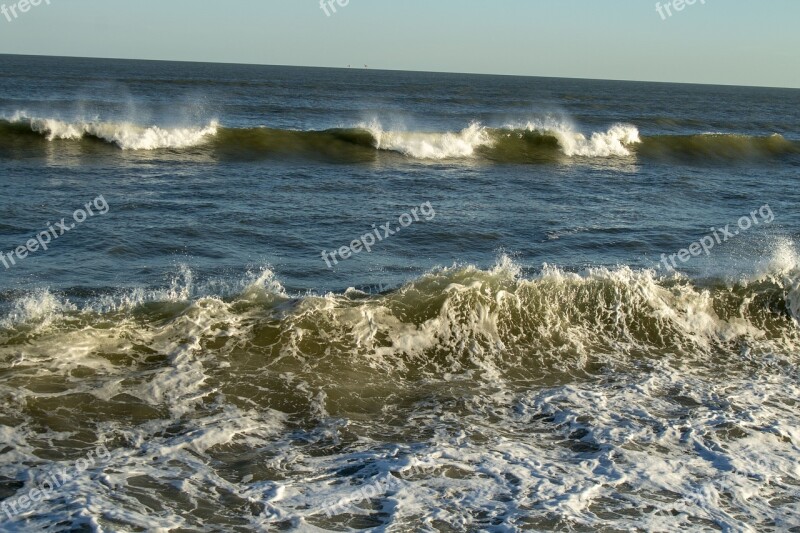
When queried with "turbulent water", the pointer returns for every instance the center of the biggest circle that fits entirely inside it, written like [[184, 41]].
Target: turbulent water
[[512, 342]]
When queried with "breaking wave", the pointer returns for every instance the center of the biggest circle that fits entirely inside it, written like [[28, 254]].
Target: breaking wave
[[531, 142], [497, 311], [486, 394], [125, 135]]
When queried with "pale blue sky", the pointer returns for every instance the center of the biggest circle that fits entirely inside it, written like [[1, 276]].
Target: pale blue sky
[[742, 42]]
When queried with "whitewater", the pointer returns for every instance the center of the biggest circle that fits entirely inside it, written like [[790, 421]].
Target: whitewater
[[558, 402]]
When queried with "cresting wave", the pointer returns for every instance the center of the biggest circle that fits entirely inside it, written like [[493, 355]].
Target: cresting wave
[[553, 316], [531, 142], [125, 135]]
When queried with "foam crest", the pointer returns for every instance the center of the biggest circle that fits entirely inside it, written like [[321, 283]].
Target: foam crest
[[39, 308], [420, 145], [783, 260], [616, 141], [783, 266], [478, 139], [125, 135]]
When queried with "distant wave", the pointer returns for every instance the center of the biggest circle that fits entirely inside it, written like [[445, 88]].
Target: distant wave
[[125, 135], [717, 146], [532, 142]]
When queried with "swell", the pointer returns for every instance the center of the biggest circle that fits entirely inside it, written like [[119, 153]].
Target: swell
[[717, 146], [542, 142], [349, 145]]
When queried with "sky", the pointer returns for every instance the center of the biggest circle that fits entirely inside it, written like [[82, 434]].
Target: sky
[[736, 42]]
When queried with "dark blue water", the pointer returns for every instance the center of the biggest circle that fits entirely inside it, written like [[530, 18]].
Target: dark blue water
[[221, 216]]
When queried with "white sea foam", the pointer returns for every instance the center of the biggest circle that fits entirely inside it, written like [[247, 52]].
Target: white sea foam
[[37, 309], [126, 135], [420, 145], [591, 399], [616, 141], [782, 266]]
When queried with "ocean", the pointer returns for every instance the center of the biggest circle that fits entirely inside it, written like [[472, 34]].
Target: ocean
[[258, 298]]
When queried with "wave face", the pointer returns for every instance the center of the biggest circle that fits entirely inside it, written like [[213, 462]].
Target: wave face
[[464, 309], [578, 387], [532, 142]]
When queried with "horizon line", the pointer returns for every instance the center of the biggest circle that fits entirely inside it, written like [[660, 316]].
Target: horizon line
[[405, 70]]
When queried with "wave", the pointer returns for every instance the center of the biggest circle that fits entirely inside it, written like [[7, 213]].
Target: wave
[[617, 141], [420, 145], [297, 401], [125, 135], [721, 146], [459, 317], [532, 142]]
